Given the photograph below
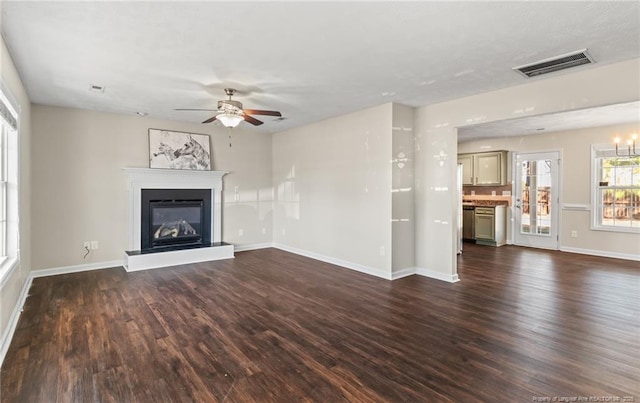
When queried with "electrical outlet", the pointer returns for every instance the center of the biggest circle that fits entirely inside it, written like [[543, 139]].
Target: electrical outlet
[[382, 251], [240, 232], [87, 245], [264, 231], [574, 234], [94, 244]]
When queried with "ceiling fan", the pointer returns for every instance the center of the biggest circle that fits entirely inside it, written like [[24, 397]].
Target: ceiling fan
[[230, 112]]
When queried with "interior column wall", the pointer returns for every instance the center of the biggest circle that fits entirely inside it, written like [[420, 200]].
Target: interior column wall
[[402, 192]]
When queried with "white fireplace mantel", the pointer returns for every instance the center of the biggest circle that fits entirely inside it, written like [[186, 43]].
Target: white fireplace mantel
[[146, 178]]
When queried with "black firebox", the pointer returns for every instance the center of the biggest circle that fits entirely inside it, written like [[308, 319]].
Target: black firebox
[[175, 217]]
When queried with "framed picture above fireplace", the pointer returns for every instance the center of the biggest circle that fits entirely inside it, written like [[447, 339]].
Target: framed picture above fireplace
[[179, 150]]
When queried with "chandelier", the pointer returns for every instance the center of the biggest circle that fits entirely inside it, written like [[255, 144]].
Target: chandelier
[[631, 146]]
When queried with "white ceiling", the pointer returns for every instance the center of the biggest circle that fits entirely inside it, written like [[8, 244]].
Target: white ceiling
[[310, 60]]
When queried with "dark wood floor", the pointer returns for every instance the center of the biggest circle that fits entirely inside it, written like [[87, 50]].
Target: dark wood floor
[[272, 326]]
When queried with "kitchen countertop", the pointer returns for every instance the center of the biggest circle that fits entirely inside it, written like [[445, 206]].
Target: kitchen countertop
[[485, 201], [488, 204]]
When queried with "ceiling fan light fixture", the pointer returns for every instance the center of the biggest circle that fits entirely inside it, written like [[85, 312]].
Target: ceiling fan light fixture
[[230, 119], [231, 113]]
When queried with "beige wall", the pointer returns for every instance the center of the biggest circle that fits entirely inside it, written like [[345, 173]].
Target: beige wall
[[12, 286], [436, 141], [575, 148], [79, 189], [332, 184]]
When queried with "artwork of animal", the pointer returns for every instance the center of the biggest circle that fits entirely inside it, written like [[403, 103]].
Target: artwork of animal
[[175, 161], [167, 151], [194, 149], [178, 150]]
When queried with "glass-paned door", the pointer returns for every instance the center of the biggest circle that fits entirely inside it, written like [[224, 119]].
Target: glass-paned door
[[537, 200]]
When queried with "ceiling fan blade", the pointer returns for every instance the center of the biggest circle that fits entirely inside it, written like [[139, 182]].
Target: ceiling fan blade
[[251, 119], [261, 112], [183, 109], [211, 119]]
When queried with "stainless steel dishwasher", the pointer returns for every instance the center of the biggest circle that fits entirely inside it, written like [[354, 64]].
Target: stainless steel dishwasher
[[469, 223]]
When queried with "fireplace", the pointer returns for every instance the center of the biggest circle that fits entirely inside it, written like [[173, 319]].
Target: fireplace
[[175, 218], [184, 208]]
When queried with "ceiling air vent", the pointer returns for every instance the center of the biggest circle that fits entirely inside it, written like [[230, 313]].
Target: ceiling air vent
[[96, 88], [556, 63]]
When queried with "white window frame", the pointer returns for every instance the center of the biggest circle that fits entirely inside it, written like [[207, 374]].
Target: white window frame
[[599, 152], [4, 187], [9, 212]]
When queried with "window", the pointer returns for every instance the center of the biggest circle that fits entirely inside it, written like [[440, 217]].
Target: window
[[3, 189], [616, 198], [8, 184]]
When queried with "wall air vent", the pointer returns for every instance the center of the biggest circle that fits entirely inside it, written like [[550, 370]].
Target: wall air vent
[[556, 63]]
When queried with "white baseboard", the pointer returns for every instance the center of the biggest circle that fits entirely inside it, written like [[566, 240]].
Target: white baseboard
[[603, 253], [449, 278], [253, 246], [338, 262], [7, 335], [76, 269], [115, 263], [369, 270], [409, 271]]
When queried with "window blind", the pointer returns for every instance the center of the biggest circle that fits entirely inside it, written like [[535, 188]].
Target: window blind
[[7, 115]]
